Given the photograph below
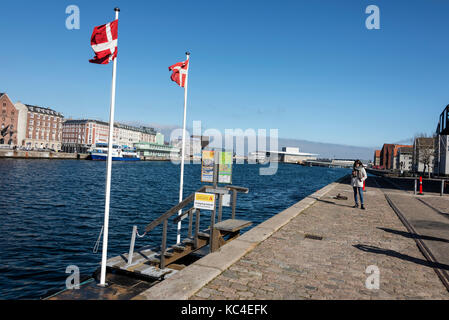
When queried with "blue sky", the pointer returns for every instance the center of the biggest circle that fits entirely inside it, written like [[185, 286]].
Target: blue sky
[[309, 68]]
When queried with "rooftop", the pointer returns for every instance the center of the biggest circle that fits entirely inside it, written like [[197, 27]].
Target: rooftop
[[148, 130], [405, 150], [43, 110]]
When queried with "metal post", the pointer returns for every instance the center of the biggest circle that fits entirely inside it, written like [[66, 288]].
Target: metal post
[[197, 228], [108, 172], [181, 180], [416, 183], [164, 244], [131, 246], [211, 233], [442, 187], [234, 202], [216, 159], [220, 206], [189, 234]]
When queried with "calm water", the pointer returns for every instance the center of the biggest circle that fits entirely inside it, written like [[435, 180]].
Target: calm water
[[52, 211]]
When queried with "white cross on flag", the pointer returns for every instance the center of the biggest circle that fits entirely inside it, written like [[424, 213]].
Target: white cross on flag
[[179, 74], [104, 42]]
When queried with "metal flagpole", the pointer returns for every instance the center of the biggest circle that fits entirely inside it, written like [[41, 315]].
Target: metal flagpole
[[181, 181], [108, 172]]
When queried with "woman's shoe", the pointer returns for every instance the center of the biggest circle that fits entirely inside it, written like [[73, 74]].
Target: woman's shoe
[[356, 206], [362, 207]]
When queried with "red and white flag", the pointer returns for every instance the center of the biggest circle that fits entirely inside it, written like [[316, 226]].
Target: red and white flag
[[179, 74], [104, 42]]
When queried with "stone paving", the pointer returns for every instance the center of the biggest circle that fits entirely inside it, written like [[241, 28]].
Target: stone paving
[[289, 265]]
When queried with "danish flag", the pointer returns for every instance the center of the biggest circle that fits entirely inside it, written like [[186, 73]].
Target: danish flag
[[104, 42], [180, 71]]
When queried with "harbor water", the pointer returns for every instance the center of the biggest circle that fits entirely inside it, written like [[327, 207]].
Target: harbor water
[[52, 211]]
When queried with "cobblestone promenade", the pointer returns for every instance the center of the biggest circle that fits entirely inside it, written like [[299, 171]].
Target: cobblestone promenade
[[290, 265]]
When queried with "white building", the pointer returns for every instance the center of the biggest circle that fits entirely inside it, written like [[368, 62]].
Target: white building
[[80, 135], [194, 146], [443, 152], [290, 155], [404, 159], [424, 155]]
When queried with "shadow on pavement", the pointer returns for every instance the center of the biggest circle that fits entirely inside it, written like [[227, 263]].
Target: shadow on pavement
[[412, 235], [392, 253], [331, 202]]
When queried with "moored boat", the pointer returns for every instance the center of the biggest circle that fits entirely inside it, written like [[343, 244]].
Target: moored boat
[[100, 152]]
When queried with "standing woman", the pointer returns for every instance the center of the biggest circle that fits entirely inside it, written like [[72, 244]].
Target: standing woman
[[358, 176]]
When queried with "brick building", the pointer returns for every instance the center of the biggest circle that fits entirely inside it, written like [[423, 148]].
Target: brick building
[[388, 155], [39, 127], [385, 155], [80, 135], [376, 160], [8, 121]]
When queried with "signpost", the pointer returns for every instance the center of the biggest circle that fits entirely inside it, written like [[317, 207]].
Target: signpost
[[225, 167], [204, 201], [208, 164]]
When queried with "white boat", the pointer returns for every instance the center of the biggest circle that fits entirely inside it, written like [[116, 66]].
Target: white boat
[[100, 152]]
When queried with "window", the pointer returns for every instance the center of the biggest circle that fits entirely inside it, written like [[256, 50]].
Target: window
[[31, 122]]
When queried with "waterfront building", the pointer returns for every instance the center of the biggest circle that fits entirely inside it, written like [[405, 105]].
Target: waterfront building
[[388, 155], [404, 159], [443, 155], [290, 155], [442, 167], [385, 155], [80, 135], [424, 155], [156, 151], [159, 139], [194, 146], [128, 135], [395, 162], [9, 119], [39, 127], [376, 160]]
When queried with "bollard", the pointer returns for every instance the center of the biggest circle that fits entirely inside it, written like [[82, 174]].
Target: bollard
[[416, 183], [420, 185], [131, 245], [442, 187]]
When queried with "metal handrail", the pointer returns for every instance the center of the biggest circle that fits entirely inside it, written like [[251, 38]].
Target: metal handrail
[[181, 216], [173, 210]]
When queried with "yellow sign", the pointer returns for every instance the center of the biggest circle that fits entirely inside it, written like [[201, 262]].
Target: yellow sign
[[204, 201]]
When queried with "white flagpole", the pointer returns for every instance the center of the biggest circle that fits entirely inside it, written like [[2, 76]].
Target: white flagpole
[[181, 180], [108, 172]]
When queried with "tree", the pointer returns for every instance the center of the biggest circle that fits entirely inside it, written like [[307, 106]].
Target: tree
[[425, 151]]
